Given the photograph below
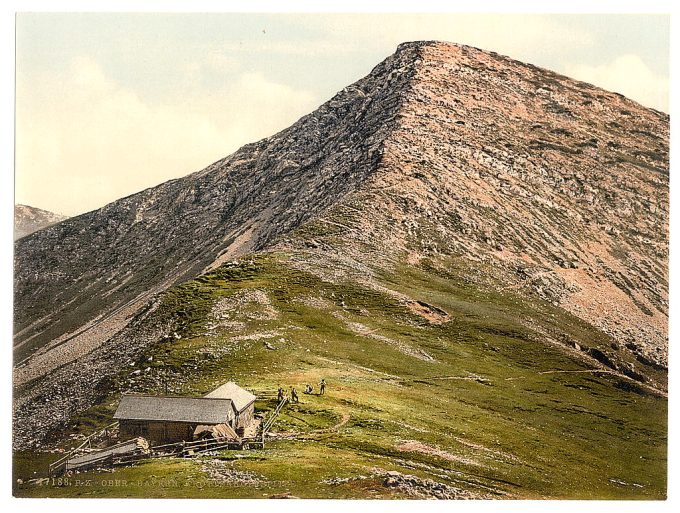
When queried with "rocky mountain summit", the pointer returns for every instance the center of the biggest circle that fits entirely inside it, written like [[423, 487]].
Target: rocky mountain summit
[[548, 185], [559, 186], [31, 219]]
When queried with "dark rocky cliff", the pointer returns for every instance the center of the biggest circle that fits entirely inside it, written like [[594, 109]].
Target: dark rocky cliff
[[99, 262]]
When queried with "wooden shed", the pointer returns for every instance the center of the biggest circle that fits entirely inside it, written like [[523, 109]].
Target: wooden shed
[[171, 419], [244, 402]]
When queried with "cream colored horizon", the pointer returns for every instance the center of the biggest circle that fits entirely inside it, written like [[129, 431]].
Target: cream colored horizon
[[107, 105]]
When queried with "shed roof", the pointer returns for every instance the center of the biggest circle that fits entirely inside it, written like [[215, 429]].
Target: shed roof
[[231, 390], [175, 409]]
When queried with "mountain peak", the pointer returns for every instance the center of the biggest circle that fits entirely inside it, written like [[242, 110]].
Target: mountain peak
[[419, 44], [29, 219], [532, 171]]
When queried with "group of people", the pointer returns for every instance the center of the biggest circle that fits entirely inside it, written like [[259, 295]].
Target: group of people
[[309, 389]]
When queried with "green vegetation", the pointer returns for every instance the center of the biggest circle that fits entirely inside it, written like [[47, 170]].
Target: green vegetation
[[487, 402]]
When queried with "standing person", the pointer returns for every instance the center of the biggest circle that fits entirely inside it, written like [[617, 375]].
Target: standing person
[[293, 395], [322, 387], [280, 394]]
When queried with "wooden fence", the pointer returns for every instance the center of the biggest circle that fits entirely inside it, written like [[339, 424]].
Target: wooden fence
[[86, 445], [269, 422]]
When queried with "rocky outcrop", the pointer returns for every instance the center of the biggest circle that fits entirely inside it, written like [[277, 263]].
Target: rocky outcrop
[[418, 488]]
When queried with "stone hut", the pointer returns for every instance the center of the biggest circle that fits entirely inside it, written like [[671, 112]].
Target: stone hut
[[163, 420], [223, 413]]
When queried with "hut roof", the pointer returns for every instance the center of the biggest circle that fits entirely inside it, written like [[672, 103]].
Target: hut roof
[[241, 398], [175, 409]]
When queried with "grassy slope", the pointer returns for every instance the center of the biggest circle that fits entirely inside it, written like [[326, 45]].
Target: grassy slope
[[503, 426]]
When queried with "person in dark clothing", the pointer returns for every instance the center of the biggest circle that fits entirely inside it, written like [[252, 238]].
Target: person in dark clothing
[[322, 387], [280, 394], [293, 395]]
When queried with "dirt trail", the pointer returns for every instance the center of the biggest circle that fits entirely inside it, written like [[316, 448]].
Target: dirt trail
[[345, 418], [299, 435]]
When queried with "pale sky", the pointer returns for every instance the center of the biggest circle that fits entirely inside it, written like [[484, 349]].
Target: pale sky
[[109, 104]]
